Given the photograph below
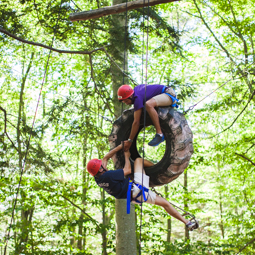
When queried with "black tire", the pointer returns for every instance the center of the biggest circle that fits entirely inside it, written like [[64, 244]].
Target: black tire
[[179, 144]]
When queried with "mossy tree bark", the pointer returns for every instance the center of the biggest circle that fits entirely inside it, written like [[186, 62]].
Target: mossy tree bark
[[125, 224]]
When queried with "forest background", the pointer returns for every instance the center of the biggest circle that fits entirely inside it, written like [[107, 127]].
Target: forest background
[[194, 46]]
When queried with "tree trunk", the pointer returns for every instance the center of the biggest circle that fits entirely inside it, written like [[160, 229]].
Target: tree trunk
[[237, 226], [120, 56], [125, 224], [72, 241], [186, 201], [26, 215], [125, 229], [169, 221], [104, 232], [221, 216], [81, 230], [220, 203]]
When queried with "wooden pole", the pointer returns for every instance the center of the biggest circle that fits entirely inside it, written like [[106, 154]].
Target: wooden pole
[[118, 8]]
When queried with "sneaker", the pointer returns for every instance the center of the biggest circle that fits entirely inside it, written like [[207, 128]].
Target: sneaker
[[156, 140], [191, 225]]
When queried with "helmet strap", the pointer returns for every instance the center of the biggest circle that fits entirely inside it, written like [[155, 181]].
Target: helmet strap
[[104, 170]]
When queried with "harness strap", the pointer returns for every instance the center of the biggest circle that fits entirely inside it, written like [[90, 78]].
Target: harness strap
[[129, 195], [174, 99], [142, 192]]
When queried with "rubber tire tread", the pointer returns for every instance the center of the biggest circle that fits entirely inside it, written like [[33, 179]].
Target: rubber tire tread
[[179, 144]]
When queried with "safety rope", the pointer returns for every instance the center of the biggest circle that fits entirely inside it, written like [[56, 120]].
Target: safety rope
[[186, 213], [76, 5], [193, 106], [144, 109], [7, 236], [124, 64], [125, 45]]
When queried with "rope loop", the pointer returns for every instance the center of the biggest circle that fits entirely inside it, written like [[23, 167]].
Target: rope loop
[[189, 109]]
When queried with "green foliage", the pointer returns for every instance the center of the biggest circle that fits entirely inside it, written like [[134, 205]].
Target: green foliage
[[194, 46], [198, 248]]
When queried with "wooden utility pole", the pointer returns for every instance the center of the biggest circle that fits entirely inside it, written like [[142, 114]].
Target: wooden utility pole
[[115, 8]]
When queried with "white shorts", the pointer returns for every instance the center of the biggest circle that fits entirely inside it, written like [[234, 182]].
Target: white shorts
[[144, 180]]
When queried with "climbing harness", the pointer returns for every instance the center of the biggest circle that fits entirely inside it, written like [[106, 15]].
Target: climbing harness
[[142, 192], [129, 194], [174, 99]]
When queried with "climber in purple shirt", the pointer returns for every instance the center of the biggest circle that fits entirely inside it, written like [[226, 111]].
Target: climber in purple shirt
[[156, 95]]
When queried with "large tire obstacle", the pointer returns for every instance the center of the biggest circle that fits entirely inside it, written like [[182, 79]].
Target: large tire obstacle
[[179, 144]]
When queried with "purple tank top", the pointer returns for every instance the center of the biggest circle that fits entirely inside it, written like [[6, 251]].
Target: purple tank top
[[139, 91]]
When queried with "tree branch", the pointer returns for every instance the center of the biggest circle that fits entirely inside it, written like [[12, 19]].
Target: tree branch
[[221, 45], [217, 40], [236, 116], [67, 199], [246, 246], [93, 220], [250, 148], [245, 158], [46, 46], [66, 51], [118, 8], [96, 88], [223, 19], [239, 33], [5, 129], [107, 54]]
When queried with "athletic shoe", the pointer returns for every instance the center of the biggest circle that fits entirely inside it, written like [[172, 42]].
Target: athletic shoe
[[191, 225], [156, 140]]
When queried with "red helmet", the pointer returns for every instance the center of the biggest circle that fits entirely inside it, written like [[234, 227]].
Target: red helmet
[[124, 92], [93, 166]]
